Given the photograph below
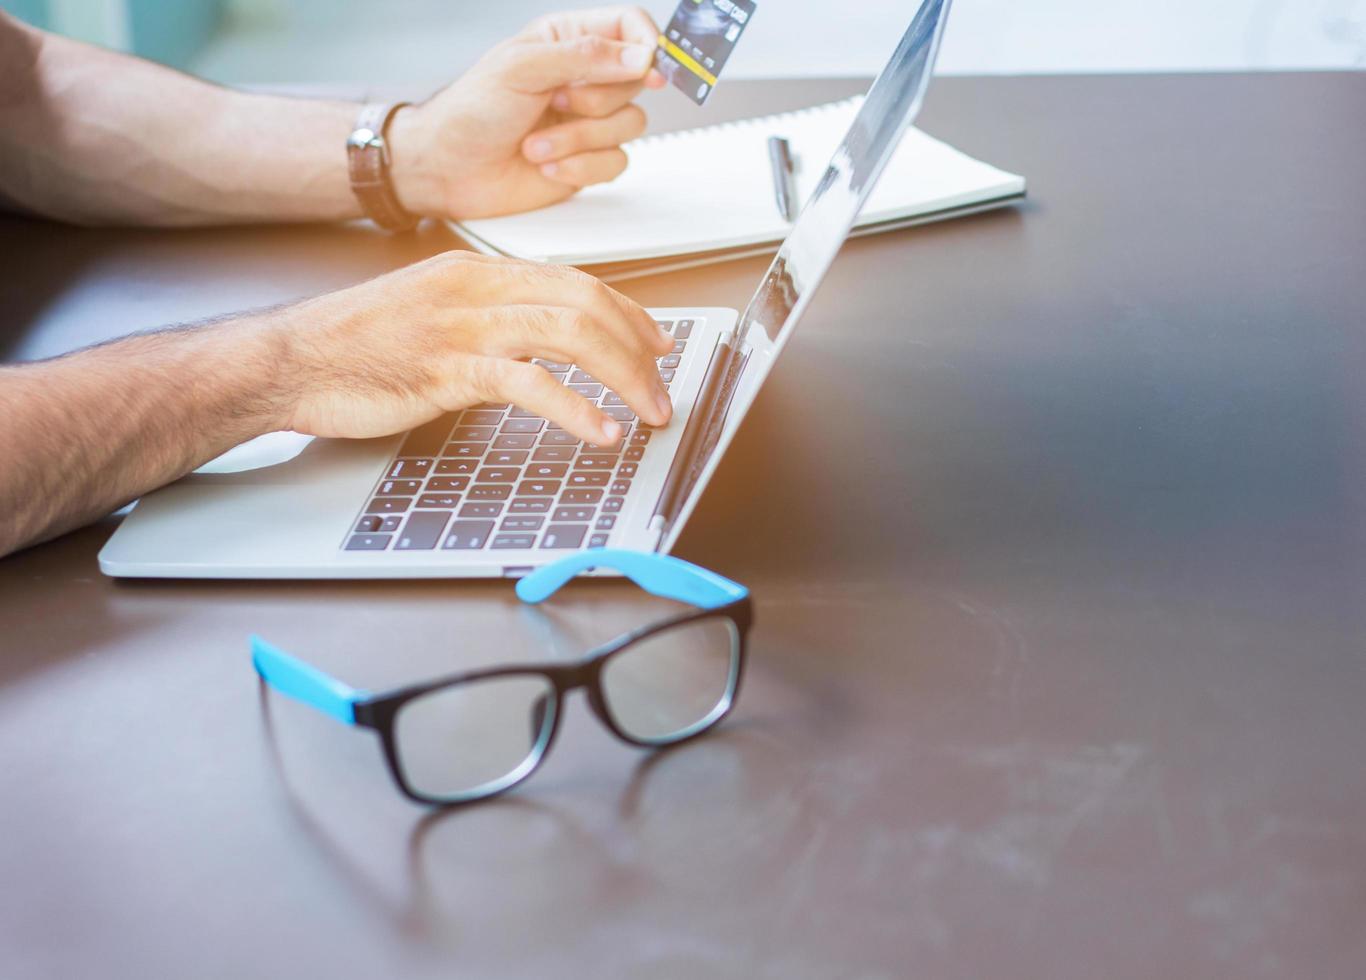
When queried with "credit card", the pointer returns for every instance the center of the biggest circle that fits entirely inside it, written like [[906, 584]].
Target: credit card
[[699, 38]]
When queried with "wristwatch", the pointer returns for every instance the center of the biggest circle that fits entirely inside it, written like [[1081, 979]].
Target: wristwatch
[[367, 158]]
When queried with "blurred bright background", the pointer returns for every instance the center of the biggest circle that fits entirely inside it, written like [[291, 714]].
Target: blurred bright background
[[400, 41]]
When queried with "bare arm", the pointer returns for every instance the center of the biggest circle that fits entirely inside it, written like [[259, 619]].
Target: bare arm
[[86, 433], [94, 137], [83, 434]]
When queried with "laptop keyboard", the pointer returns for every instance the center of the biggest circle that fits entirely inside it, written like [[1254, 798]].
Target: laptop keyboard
[[497, 477]]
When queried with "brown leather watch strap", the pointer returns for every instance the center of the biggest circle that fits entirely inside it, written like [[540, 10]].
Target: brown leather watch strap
[[367, 157]]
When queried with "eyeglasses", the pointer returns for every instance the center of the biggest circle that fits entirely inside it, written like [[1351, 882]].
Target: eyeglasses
[[473, 735]]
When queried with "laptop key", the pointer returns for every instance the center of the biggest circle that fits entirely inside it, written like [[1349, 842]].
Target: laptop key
[[530, 505], [613, 504], [595, 461], [368, 542], [597, 540], [678, 346], [390, 524], [410, 467], [538, 488], [368, 524], [587, 391], [398, 488], [481, 510], [667, 375], [635, 452], [620, 488], [497, 474], [490, 491], [640, 437], [627, 470], [620, 413], [506, 457], [683, 330], [467, 535], [547, 453], [552, 366], [547, 471], [509, 541], [437, 501], [480, 417], [606, 522], [670, 361], [589, 496], [580, 377], [515, 441], [592, 478], [521, 523], [572, 514], [523, 425], [423, 530], [612, 398], [388, 505], [518, 412], [558, 437], [472, 433], [464, 449], [563, 536], [427, 439], [451, 466], [447, 484]]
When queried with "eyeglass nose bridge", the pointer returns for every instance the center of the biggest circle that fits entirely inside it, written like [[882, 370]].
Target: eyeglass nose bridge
[[587, 675], [571, 677]]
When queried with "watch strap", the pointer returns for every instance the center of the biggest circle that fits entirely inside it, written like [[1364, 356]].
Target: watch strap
[[367, 157]]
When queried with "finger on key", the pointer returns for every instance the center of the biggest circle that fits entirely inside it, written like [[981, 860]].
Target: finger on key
[[622, 323], [533, 388], [570, 335]]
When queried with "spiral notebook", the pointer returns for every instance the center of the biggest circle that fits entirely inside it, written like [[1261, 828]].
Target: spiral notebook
[[706, 195]]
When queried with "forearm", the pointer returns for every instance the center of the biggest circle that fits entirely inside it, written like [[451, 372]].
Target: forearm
[[83, 434], [94, 137]]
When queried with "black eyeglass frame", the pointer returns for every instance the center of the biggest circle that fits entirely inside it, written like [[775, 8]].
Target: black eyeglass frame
[[380, 712]]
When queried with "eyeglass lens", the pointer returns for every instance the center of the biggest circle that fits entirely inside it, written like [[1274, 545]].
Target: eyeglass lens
[[673, 683], [474, 738]]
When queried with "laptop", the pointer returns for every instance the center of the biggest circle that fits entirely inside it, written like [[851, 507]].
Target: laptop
[[495, 491]]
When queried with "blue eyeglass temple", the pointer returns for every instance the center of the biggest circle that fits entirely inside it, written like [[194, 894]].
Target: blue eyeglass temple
[[661, 575]]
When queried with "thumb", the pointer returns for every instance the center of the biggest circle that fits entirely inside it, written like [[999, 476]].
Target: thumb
[[540, 66]]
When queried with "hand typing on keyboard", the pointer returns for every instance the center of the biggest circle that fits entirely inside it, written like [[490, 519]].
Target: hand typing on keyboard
[[456, 330]]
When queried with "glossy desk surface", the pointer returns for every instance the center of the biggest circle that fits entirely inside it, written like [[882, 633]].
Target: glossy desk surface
[[1054, 519]]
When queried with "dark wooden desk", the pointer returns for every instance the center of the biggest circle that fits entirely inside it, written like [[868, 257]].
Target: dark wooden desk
[[1056, 524]]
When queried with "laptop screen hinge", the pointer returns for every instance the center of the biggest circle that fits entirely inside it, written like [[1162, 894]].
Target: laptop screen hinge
[[701, 433]]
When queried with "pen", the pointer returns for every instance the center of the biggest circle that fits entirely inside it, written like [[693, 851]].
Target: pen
[[784, 188]]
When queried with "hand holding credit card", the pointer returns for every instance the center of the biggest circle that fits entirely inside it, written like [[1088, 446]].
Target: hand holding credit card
[[697, 41]]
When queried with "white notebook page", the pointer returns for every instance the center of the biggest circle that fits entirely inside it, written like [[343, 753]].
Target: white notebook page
[[712, 188]]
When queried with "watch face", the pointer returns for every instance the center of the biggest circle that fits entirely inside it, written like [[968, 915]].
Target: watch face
[[361, 138]]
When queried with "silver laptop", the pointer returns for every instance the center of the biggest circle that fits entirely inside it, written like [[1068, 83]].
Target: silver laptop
[[495, 491]]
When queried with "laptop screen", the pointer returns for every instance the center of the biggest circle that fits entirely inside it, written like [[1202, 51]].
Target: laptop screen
[[806, 255], [829, 214]]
